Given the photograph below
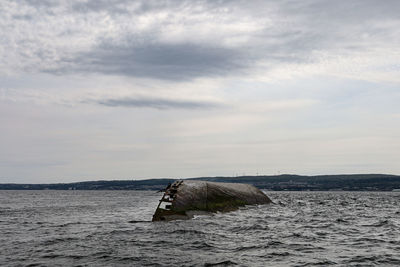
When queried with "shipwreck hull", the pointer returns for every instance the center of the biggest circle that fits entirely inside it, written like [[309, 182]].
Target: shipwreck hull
[[183, 199]]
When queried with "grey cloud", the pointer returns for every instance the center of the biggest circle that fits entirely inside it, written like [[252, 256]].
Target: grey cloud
[[156, 103], [298, 29], [114, 6], [186, 61], [122, 6], [342, 23], [316, 9], [160, 61], [42, 3], [344, 10], [22, 17]]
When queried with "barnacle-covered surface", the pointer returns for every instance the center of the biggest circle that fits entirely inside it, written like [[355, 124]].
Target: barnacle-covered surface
[[183, 199]]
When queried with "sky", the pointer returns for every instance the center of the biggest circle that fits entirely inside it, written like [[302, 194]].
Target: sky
[[120, 89]]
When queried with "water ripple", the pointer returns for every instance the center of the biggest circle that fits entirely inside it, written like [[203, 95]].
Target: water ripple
[[81, 228]]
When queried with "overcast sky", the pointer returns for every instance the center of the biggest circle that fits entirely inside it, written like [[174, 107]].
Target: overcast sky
[[118, 89]]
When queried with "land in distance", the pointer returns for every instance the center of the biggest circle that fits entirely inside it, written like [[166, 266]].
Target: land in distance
[[352, 182]]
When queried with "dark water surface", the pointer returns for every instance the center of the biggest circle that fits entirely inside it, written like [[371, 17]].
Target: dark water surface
[[112, 228]]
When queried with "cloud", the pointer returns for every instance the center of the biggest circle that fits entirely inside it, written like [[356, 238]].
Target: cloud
[[185, 40], [114, 6], [279, 105], [160, 61], [155, 103], [216, 86]]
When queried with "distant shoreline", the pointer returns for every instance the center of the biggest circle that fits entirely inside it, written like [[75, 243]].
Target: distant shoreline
[[284, 182]]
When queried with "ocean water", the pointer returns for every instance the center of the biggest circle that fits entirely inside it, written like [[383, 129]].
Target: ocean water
[[113, 228]]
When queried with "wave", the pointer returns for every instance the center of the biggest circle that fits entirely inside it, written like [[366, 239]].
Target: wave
[[221, 263]]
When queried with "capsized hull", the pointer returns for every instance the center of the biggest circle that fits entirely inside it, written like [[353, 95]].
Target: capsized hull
[[185, 198]]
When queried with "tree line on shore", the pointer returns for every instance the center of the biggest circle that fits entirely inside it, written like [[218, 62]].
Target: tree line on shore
[[354, 182]]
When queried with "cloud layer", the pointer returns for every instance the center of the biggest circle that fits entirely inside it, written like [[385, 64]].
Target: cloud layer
[[173, 40], [157, 103], [96, 89]]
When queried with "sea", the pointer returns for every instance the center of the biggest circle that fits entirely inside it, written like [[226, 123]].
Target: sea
[[114, 228]]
